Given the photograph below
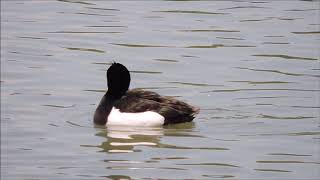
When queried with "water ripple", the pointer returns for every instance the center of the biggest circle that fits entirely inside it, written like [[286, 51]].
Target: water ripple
[[59, 106], [275, 43], [217, 46], [191, 12], [146, 72], [285, 117], [79, 2], [166, 60], [284, 56], [209, 164], [287, 162], [231, 38], [85, 49], [137, 45], [305, 106], [93, 14], [167, 146], [255, 20], [117, 177], [224, 176], [309, 133], [30, 37], [301, 9], [193, 84], [244, 7], [307, 32], [104, 9], [288, 19], [273, 36], [107, 26], [208, 30], [304, 133], [287, 154], [262, 89], [84, 32], [74, 124], [279, 72], [263, 82], [96, 90], [102, 63], [189, 56], [272, 170], [169, 158]]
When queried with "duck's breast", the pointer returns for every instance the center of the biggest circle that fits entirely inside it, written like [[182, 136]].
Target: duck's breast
[[148, 118]]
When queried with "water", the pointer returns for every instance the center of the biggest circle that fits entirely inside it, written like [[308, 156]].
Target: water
[[252, 68]]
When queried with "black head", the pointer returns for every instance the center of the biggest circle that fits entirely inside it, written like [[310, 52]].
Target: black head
[[118, 80]]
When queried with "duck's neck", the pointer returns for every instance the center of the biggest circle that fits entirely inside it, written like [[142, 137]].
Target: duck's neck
[[104, 108]]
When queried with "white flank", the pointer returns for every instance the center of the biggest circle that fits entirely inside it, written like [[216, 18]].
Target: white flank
[[147, 118]]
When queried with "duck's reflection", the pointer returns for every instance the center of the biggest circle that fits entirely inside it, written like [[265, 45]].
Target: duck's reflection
[[122, 139]]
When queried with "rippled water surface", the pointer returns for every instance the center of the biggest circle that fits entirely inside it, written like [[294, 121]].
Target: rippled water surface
[[252, 68]]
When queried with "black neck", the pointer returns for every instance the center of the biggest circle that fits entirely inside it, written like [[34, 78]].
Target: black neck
[[104, 108]]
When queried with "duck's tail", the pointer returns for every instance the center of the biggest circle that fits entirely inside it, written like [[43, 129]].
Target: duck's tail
[[195, 111]]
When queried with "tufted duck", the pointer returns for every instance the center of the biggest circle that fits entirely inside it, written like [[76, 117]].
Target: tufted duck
[[137, 107]]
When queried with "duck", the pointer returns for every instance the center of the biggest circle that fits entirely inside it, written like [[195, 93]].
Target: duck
[[138, 107]]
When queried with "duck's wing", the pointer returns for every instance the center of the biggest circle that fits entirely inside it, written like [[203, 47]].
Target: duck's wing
[[140, 93], [174, 111]]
